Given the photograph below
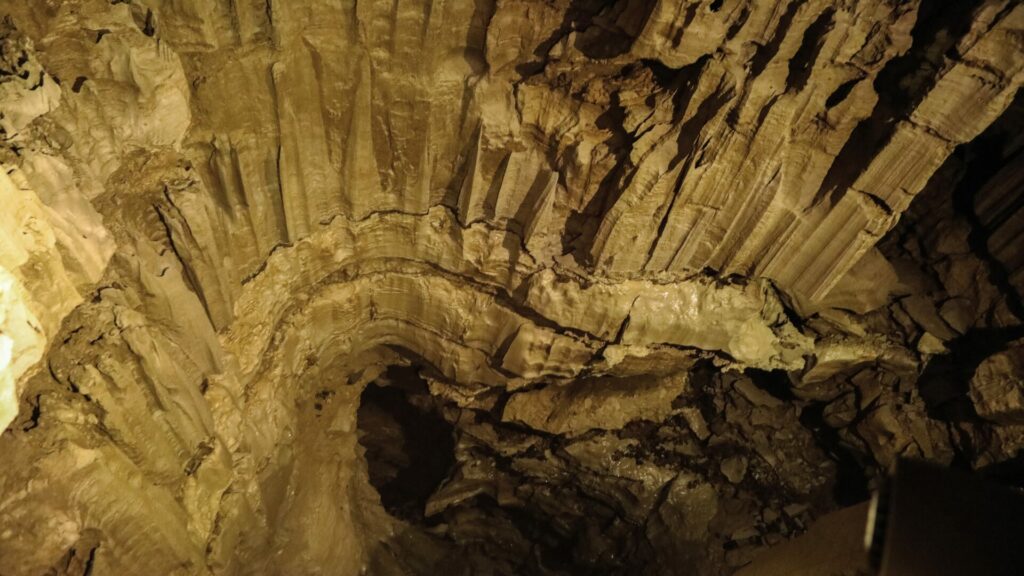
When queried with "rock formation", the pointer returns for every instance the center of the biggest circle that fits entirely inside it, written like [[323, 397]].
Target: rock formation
[[496, 287]]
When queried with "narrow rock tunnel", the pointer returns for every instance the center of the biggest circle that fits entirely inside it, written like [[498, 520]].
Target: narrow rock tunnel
[[506, 287], [408, 445]]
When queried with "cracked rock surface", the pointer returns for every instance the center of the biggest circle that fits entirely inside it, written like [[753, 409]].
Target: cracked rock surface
[[496, 286]]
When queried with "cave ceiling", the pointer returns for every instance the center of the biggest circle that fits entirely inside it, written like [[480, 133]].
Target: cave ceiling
[[496, 286]]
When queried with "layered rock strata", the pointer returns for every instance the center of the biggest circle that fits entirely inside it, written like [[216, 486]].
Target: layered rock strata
[[670, 279]]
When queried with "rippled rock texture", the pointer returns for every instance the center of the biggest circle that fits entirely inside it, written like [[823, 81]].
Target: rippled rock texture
[[495, 287]]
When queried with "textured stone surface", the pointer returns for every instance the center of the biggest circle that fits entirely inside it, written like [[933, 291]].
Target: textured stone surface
[[997, 388], [52, 242], [679, 276], [594, 404]]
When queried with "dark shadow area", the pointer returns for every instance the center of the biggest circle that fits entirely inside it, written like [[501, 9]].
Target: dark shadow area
[[604, 29], [774, 382], [974, 167], [1008, 472], [582, 227], [409, 445], [946, 379], [803, 61], [851, 485], [901, 85], [984, 160]]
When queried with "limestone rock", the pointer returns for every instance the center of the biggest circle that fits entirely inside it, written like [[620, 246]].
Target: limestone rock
[[608, 403], [645, 285], [53, 245], [997, 388], [734, 468]]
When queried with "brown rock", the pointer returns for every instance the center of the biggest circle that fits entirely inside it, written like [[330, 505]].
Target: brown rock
[[997, 388]]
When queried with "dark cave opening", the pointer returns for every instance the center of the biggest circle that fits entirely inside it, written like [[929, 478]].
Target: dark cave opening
[[852, 477], [409, 446]]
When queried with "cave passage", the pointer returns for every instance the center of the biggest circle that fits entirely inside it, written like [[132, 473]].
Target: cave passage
[[560, 288], [409, 445]]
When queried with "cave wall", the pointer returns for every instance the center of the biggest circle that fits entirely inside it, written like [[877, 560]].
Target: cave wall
[[683, 275]]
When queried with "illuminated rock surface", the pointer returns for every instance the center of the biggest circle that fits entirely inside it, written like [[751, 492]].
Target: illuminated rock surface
[[505, 287]]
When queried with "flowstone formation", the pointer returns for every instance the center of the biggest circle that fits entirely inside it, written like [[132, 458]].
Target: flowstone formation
[[496, 287]]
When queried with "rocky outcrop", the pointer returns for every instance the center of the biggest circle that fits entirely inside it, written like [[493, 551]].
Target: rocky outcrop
[[997, 389], [666, 280], [53, 245]]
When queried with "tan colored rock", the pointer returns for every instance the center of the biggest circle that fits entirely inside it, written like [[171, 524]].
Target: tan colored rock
[[600, 231], [53, 246], [734, 468], [607, 403], [997, 388]]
